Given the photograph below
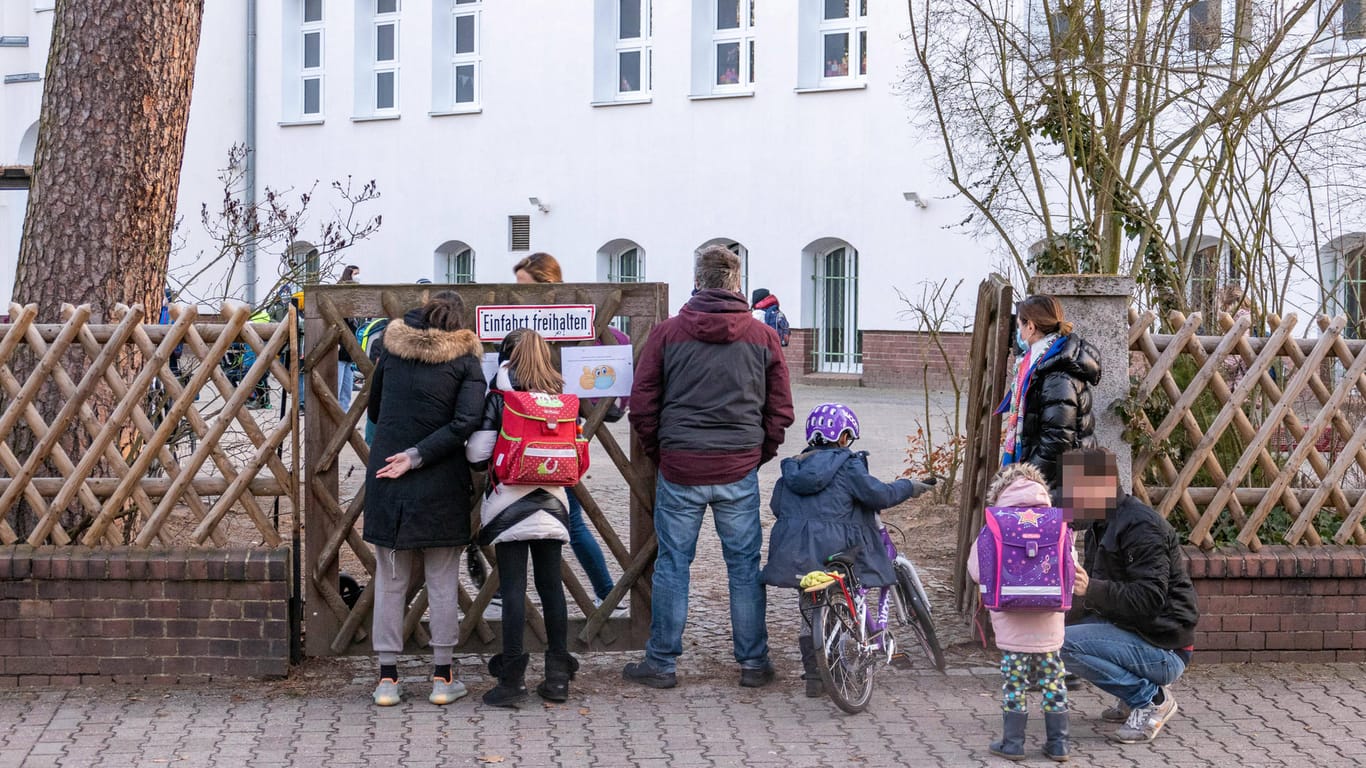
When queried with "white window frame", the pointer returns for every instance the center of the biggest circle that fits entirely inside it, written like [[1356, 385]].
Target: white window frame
[[642, 45], [615, 261], [856, 26], [307, 73], [742, 35], [382, 67], [849, 359], [460, 9], [454, 275]]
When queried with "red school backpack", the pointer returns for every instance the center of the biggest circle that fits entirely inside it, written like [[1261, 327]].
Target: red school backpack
[[539, 442]]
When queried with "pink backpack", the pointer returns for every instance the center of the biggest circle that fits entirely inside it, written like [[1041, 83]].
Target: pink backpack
[[1024, 558]]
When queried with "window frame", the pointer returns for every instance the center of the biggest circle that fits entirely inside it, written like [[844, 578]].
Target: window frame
[[615, 273], [849, 358], [378, 67], [475, 10], [454, 275], [855, 26], [642, 45], [742, 35], [317, 73]]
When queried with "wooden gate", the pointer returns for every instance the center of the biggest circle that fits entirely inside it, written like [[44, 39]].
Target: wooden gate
[[336, 627], [991, 336]]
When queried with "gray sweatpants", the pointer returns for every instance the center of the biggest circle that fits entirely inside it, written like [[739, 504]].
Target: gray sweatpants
[[393, 575]]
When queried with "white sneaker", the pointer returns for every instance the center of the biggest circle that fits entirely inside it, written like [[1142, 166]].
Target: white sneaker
[[620, 611], [1145, 723], [387, 693], [447, 691]]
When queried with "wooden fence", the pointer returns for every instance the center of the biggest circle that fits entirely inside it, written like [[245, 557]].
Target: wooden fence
[[336, 626], [1250, 438], [107, 443]]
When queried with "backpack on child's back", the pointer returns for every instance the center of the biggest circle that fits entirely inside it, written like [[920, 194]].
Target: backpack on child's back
[[1025, 559], [539, 442], [775, 319]]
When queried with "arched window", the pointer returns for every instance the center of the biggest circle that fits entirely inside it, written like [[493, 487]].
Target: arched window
[[833, 268], [621, 261], [453, 263], [1211, 270], [302, 264], [28, 145], [1342, 269], [737, 249]]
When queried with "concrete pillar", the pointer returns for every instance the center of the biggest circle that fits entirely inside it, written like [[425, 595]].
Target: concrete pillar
[[1098, 307]]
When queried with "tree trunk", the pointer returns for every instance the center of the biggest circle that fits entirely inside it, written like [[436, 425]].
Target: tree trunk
[[111, 138]]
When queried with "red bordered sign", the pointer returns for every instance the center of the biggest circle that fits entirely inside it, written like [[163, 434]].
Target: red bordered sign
[[556, 322]]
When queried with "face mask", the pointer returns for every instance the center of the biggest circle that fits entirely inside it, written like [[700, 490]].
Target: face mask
[[1020, 344]]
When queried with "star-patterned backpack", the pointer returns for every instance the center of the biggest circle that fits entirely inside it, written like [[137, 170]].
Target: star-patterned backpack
[[1024, 557]]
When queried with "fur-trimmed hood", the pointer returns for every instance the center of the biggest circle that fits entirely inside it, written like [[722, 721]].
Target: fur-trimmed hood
[[429, 345]]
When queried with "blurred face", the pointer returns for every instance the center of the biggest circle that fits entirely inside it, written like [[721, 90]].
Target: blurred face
[[1089, 497], [524, 277]]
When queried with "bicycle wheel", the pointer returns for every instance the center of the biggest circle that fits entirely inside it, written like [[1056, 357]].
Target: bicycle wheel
[[847, 674], [917, 616]]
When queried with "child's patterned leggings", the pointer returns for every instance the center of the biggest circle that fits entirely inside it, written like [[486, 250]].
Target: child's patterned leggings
[[1021, 670]]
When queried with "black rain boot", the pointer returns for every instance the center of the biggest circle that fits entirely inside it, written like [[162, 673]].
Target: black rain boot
[[1055, 724], [1011, 745], [511, 674], [814, 687], [559, 670]]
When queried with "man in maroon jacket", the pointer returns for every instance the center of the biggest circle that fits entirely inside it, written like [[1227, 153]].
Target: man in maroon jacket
[[710, 404]]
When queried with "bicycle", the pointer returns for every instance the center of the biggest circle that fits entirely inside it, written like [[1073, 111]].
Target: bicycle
[[850, 640]]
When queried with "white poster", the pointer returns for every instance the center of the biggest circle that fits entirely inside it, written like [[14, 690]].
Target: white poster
[[602, 371], [556, 322]]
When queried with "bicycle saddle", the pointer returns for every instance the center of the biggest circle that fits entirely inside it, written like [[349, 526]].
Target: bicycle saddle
[[847, 557]]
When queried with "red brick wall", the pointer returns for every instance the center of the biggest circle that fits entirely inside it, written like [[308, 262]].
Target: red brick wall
[[798, 353], [899, 359], [73, 615], [1305, 604]]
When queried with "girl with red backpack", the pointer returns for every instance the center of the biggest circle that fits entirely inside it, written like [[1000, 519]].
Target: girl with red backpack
[[521, 522]]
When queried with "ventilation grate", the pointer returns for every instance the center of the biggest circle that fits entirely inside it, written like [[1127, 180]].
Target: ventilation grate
[[519, 233]]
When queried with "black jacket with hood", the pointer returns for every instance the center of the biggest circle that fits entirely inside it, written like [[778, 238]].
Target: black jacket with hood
[[427, 392], [1138, 577], [1057, 414]]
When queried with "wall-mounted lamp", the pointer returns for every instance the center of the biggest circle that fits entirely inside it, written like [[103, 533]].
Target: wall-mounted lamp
[[914, 197], [540, 206]]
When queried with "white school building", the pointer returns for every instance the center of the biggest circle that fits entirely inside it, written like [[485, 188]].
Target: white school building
[[619, 135]]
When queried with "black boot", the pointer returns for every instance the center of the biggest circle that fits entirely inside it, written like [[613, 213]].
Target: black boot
[[814, 687], [559, 670], [511, 674], [1011, 745], [1055, 724]]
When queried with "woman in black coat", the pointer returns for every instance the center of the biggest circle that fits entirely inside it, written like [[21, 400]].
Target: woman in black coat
[[1049, 403], [426, 398]]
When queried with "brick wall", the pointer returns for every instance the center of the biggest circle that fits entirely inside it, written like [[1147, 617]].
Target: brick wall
[[898, 359], [1305, 604], [798, 353], [73, 615]]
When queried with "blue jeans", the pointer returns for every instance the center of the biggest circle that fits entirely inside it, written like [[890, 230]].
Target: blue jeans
[[678, 519], [1119, 662], [587, 549], [346, 383]]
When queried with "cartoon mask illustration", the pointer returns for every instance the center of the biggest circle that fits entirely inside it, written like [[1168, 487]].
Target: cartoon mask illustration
[[598, 377]]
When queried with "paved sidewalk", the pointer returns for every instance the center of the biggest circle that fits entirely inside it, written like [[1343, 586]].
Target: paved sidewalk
[[1298, 715]]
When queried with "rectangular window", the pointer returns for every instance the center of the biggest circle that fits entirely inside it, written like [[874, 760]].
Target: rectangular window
[[1353, 24], [311, 59], [386, 55], [1205, 25], [732, 45], [633, 47], [843, 41], [466, 59]]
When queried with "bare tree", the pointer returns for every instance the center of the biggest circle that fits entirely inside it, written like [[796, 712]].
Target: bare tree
[[935, 312], [1184, 142], [273, 228]]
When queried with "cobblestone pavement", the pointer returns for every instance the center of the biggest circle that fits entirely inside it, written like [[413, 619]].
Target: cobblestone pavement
[[1244, 715]]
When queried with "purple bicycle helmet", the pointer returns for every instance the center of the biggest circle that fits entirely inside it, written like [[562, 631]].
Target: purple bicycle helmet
[[828, 421]]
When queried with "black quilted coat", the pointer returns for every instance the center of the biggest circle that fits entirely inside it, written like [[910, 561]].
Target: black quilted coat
[[1057, 406]]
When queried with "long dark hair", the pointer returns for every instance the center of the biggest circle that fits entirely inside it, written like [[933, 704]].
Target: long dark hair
[[1045, 312], [444, 311]]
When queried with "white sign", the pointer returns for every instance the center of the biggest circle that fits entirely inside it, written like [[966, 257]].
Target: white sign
[[555, 322], [490, 365], [602, 371]]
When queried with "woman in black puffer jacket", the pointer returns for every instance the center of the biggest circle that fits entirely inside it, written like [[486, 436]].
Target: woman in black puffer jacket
[[1049, 404]]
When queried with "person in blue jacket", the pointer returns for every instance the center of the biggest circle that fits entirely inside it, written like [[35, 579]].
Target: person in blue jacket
[[827, 502]]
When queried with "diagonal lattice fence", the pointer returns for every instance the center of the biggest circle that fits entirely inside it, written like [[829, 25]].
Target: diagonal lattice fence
[[117, 432]]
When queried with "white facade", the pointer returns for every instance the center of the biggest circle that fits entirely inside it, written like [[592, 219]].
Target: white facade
[[656, 129]]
